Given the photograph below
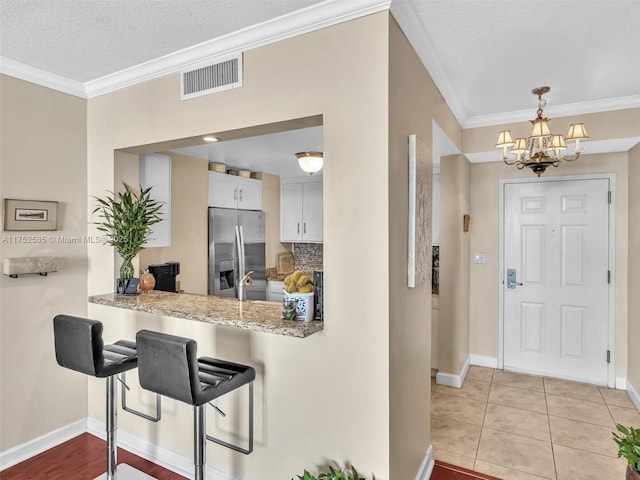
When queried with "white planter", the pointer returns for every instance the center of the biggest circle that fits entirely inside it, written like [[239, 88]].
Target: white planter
[[304, 308]]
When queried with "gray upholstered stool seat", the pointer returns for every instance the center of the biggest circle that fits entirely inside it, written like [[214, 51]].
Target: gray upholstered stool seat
[[168, 365], [79, 346]]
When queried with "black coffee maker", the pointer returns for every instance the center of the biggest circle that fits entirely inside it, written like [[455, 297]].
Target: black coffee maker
[[165, 275]]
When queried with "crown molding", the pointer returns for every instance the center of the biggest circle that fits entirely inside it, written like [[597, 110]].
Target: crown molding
[[315, 17], [592, 147], [405, 15], [31, 74], [566, 110]]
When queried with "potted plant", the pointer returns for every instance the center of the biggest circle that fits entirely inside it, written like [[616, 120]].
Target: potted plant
[[126, 221], [628, 440], [334, 474]]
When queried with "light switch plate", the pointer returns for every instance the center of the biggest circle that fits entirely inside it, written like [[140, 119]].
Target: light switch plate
[[480, 258]]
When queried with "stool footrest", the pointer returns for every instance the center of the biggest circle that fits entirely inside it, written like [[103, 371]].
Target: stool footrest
[[136, 412], [238, 448]]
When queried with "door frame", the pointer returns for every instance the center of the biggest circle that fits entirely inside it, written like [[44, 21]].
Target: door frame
[[611, 260]]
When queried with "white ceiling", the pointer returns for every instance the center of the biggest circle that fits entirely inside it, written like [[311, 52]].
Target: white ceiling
[[271, 153], [484, 55]]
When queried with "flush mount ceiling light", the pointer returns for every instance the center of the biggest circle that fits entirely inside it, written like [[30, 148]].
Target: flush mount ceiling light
[[310, 162], [210, 138], [542, 149]]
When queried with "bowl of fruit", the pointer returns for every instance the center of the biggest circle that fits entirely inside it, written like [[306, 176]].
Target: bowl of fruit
[[298, 289]]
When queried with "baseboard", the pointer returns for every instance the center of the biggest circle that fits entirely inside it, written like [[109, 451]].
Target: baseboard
[[452, 380], [633, 393], [483, 361], [427, 465], [176, 462], [18, 454]]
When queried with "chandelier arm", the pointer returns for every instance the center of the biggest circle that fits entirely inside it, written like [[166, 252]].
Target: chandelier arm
[[512, 162], [568, 159]]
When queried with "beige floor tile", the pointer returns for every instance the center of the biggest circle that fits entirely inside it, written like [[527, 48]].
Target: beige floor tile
[[581, 410], [626, 416], [516, 452], [515, 420], [505, 473], [583, 436], [454, 436], [457, 408], [566, 388], [572, 463], [470, 389], [454, 458], [479, 374], [619, 398], [518, 398], [518, 380]]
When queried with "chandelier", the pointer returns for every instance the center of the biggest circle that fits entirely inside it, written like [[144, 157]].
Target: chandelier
[[542, 149]]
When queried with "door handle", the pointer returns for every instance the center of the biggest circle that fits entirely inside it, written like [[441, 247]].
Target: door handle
[[511, 278], [298, 227], [241, 196], [235, 193], [304, 227]]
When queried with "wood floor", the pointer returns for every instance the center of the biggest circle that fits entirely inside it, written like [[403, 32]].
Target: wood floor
[[81, 458], [444, 471]]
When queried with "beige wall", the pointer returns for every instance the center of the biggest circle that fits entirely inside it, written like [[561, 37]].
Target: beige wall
[[484, 238], [189, 224], [43, 157], [316, 398], [633, 334], [453, 318], [414, 102], [271, 208]]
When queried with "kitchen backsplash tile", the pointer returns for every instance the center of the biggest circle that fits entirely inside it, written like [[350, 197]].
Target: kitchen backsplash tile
[[307, 256]]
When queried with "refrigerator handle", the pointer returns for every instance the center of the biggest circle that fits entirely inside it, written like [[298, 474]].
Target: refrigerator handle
[[240, 273], [242, 256]]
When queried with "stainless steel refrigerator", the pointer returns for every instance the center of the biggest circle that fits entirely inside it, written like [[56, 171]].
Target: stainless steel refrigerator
[[236, 247]]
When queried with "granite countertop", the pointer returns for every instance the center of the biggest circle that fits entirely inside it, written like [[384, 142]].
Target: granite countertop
[[256, 315]]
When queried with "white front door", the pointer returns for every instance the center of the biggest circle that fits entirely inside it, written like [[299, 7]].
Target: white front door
[[556, 315]]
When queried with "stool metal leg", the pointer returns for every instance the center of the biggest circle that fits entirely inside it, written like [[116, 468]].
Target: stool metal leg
[[124, 471], [112, 426], [199, 441]]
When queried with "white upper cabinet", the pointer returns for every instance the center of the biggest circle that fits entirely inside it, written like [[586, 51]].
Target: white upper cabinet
[[155, 171], [301, 210], [230, 191]]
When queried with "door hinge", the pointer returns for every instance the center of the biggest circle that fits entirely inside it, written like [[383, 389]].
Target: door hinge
[[608, 356], [609, 196], [608, 276]]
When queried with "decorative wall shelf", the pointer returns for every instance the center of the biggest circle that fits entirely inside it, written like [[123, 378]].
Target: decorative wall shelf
[[29, 266]]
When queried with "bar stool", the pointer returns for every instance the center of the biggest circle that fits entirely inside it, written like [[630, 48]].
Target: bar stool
[[79, 346], [168, 365]]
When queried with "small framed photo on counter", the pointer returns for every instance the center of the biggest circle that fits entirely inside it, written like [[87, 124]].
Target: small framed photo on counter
[[25, 215]]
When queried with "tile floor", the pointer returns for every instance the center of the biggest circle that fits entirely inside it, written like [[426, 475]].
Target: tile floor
[[523, 427]]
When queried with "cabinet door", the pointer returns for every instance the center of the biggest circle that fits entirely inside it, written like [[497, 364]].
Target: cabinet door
[[249, 194], [223, 190], [312, 212], [291, 212]]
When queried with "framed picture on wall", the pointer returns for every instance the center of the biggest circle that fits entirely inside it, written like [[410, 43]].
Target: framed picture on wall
[[25, 215]]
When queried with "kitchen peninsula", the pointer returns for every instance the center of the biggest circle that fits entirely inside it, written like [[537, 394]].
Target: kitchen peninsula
[[258, 316]]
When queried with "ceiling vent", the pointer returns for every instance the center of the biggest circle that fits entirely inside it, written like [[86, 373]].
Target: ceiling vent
[[211, 77]]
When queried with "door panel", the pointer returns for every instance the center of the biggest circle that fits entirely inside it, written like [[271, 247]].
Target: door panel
[[556, 322]]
